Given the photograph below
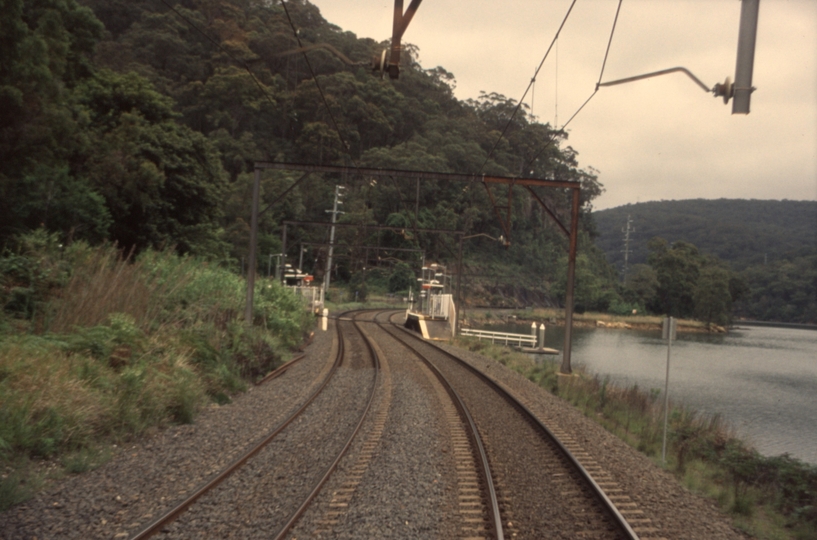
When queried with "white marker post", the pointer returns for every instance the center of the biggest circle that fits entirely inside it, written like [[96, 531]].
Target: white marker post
[[668, 333], [324, 319]]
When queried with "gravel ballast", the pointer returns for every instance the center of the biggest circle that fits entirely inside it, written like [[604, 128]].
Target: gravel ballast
[[677, 512]]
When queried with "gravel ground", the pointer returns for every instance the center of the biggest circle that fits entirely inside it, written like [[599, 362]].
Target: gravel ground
[[540, 489], [259, 498]]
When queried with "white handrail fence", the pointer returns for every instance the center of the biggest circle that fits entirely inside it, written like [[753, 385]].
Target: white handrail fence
[[502, 337]]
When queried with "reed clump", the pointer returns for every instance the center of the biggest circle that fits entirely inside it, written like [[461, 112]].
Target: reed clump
[[98, 347]]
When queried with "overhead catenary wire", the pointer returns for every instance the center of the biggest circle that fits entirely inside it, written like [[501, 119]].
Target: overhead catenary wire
[[532, 82], [328, 109], [317, 84], [235, 59], [258, 83], [598, 83]]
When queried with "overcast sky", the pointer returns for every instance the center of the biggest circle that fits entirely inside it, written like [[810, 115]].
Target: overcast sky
[[657, 139]]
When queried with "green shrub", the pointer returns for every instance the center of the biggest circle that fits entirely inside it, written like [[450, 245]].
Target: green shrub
[[112, 347], [16, 487]]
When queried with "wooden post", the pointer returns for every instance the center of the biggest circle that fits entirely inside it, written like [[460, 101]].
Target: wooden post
[[256, 188]]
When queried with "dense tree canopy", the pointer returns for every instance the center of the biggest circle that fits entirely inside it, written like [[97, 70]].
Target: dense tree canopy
[[680, 282], [133, 122], [772, 244], [742, 232]]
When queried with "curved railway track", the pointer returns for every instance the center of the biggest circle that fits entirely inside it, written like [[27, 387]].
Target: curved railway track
[[478, 501], [252, 472], [546, 492]]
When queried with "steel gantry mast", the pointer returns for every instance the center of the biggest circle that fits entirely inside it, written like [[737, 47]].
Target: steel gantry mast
[[572, 232]]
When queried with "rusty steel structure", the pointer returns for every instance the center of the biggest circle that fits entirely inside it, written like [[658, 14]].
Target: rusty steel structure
[[389, 61], [571, 231]]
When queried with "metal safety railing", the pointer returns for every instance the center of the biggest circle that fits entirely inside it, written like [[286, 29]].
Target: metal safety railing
[[311, 296], [500, 337]]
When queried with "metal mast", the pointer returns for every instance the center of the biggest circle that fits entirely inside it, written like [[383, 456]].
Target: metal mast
[[626, 249], [334, 213]]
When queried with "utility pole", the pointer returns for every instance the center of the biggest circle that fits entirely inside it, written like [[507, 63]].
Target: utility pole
[[334, 213], [256, 188], [626, 249]]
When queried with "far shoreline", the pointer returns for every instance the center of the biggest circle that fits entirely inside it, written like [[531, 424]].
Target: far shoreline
[[551, 316]]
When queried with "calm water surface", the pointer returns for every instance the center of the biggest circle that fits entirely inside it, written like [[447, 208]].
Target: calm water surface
[[762, 380]]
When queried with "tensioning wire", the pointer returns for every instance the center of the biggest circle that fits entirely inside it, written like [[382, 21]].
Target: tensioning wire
[[601, 73], [320, 90], [220, 47], [532, 81]]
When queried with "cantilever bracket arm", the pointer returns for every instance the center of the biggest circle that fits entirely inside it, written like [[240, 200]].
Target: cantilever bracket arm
[[342, 57], [399, 26], [656, 74], [553, 216], [401, 20]]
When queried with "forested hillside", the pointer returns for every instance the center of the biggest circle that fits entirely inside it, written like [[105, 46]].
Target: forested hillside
[[138, 122], [741, 232], [772, 244]]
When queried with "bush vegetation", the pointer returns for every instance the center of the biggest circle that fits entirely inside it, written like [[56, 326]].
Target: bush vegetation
[[769, 497], [97, 348]]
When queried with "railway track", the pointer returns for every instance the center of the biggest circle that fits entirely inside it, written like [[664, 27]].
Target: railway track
[[544, 490], [490, 504], [475, 513], [478, 504], [263, 495]]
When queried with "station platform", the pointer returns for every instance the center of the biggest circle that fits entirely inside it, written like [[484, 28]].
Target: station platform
[[434, 329]]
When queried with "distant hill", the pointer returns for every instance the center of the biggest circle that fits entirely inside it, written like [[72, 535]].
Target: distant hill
[[742, 232]]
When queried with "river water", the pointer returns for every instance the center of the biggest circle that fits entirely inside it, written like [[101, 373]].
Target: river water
[[761, 380]]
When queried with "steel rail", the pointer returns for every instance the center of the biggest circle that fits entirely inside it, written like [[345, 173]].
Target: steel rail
[[473, 432], [158, 524], [328, 472], [597, 490], [280, 370]]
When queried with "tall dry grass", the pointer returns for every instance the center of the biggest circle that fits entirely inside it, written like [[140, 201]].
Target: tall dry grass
[[103, 281]]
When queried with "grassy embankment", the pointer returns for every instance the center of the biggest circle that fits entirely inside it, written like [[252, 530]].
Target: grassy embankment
[[96, 350], [769, 497]]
